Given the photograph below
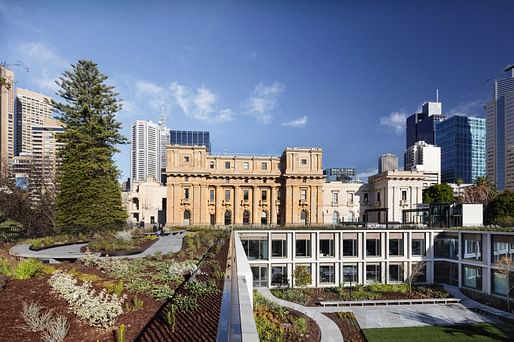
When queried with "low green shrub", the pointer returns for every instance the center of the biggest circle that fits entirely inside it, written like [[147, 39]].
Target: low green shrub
[[300, 296], [24, 269], [385, 288], [162, 292], [300, 325]]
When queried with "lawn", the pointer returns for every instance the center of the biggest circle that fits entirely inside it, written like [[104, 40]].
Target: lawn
[[459, 332]]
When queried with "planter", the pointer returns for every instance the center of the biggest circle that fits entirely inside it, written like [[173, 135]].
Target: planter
[[103, 252]]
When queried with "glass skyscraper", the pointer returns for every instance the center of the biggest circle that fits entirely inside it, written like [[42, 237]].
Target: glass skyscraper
[[421, 126], [190, 138], [462, 143]]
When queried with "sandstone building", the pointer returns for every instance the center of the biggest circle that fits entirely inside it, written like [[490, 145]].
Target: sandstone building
[[205, 189]]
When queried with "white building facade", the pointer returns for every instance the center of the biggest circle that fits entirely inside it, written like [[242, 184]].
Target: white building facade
[[146, 204], [145, 151], [425, 158], [341, 202]]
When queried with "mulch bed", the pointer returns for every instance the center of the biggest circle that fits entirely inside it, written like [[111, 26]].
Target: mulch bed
[[144, 324], [313, 333], [200, 324], [349, 327]]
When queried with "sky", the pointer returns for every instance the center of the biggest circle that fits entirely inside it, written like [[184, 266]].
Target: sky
[[265, 75]]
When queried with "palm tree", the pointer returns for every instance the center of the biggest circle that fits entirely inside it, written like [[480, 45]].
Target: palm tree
[[482, 191], [459, 181]]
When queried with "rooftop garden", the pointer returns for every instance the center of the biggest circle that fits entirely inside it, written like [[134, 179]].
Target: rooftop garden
[[165, 297]]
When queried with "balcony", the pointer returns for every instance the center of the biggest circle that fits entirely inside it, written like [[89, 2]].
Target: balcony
[[185, 201], [335, 203], [303, 202]]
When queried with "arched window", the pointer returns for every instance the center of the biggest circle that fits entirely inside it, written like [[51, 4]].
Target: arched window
[[187, 217], [264, 217], [246, 217], [335, 217], [304, 217], [228, 217]]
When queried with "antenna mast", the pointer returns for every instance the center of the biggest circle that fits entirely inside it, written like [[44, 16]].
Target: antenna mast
[[163, 116], [436, 95]]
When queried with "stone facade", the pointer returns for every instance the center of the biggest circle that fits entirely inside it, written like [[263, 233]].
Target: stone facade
[[146, 204], [205, 189], [341, 202]]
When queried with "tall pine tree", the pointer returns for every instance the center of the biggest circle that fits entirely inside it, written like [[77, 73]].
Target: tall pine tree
[[89, 197]]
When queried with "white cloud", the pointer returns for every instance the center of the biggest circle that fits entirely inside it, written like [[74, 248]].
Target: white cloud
[[395, 121], [473, 108], [200, 104], [300, 122], [45, 66], [367, 173], [154, 94], [263, 101]]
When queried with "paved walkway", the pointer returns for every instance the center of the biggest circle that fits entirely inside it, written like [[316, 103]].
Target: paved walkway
[[329, 330], [470, 303], [171, 243]]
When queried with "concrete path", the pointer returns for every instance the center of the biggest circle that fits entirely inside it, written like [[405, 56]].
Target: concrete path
[[416, 315], [470, 303], [171, 243], [329, 330]]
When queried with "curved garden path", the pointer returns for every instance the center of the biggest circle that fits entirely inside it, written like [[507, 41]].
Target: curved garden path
[[171, 243], [329, 330]]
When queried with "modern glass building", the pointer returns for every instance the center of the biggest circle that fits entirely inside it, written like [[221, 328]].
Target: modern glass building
[[190, 138], [462, 142], [500, 133], [421, 126]]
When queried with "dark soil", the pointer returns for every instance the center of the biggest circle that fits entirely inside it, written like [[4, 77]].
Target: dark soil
[[349, 327], [313, 333], [199, 325]]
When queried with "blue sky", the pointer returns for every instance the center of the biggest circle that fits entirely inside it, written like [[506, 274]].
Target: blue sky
[[263, 75]]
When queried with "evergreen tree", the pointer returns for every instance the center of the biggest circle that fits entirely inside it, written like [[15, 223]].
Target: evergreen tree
[[438, 193], [89, 197]]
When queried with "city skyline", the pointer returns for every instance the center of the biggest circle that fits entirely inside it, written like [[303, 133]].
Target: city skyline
[[278, 75]]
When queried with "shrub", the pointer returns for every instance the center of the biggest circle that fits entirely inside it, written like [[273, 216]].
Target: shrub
[[162, 292], [24, 269], [379, 287], [302, 276], [300, 325], [56, 330], [135, 304], [123, 235], [300, 296], [100, 309]]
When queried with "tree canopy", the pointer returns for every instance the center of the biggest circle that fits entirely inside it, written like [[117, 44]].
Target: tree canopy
[[438, 193], [500, 211], [89, 196]]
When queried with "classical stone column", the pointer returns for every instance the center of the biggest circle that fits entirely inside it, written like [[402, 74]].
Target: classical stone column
[[272, 206], [196, 210], [237, 219], [219, 209], [255, 205]]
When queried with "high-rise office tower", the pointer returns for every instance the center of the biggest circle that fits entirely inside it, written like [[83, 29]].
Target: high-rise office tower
[[145, 151], [500, 132], [31, 110], [462, 142], [6, 117], [421, 126], [425, 158], [387, 162], [190, 138], [45, 162], [164, 138]]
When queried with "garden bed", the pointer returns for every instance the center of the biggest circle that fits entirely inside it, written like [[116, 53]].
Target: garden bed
[[141, 281], [136, 246], [313, 296], [347, 323], [490, 300], [47, 242]]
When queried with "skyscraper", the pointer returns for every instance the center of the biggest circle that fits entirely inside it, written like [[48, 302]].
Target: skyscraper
[[462, 142], [6, 116], [190, 138], [145, 151], [421, 126], [387, 162], [500, 132], [31, 110], [425, 158]]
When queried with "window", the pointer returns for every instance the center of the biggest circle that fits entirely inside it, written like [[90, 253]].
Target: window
[[264, 218], [335, 197], [472, 277], [446, 246], [373, 274], [335, 217], [350, 197], [278, 246], [373, 244], [378, 196], [227, 195], [260, 276], [303, 245], [227, 165], [152, 219], [304, 162], [418, 247], [404, 195], [350, 246], [472, 246], [503, 246], [327, 274], [228, 217], [326, 245], [366, 197], [212, 195], [245, 195], [264, 166], [395, 244], [500, 283], [395, 272], [246, 217], [303, 217], [256, 248], [186, 193], [350, 274], [187, 217], [186, 159], [303, 194], [246, 165], [211, 165], [278, 275]]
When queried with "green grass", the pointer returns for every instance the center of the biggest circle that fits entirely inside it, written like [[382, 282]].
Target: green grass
[[453, 333]]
